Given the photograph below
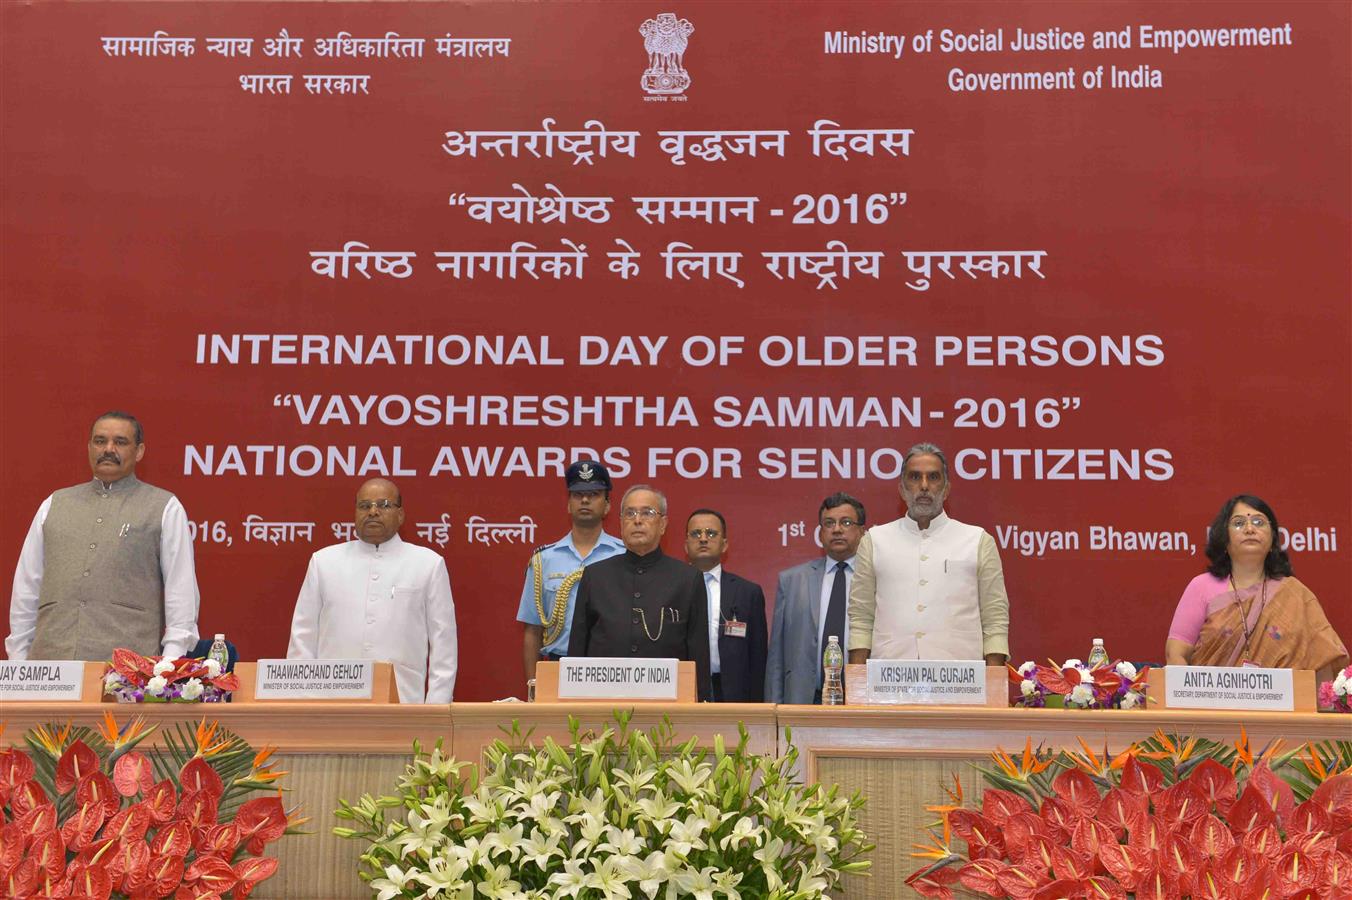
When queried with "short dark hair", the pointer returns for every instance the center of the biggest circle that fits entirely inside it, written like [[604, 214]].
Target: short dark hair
[[840, 498], [1275, 565], [124, 416], [705, 511]]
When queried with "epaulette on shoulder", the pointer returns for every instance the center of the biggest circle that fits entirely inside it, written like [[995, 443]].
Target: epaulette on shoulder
[[541, 549]]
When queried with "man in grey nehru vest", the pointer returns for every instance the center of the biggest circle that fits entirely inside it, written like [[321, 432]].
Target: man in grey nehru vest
[[106, 564]]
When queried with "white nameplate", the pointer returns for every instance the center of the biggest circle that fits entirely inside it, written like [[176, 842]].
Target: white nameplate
[[946, 682], [314, 679], [1225, 687], [46, 680], [616, 678]]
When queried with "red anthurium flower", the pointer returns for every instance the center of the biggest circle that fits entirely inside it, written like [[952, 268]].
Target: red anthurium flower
[[1077, 790], [1058, 813], [15, 767], [80, 829], [213, 873], [260, 821], [132, 666], [1295, 871], [1309, 818], [161, 801], [1062, 889], [163, 874], [97, 787], [1216, 784], [22, 879], [1273, 789], [1126, 864], [29, 795], [217, 840], [1039, 853], [1019, 832], [49, 853], [130, 824], [1090, 836], [1071, 864], [127, 861], [132, 774], [173, 839], [36, 822], [1157, 884], [75, 763], [1141, 778], [1101, 888], [1335, 796], [1265, 841], [1022, 883], [998, 805], [198, 808], [250, 871], [198, 775], [1058, 681], [1123, 811], [934, 883], [1212, 837], [92, 881], [1181, 804], [982, 876], [1337, 878], [1180, 856], [227, 681], [1251, 811], [12, 844], [97, 853]]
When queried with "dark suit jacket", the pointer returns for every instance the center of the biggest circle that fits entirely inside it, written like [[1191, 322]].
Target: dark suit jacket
[[643, 606], [794, 665], [742, 660]]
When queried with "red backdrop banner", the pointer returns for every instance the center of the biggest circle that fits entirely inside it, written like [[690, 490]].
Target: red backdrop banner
[[747, 252]]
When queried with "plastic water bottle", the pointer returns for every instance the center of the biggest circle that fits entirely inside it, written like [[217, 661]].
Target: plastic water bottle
[[833, 670], [220, 652], [1097, 655]]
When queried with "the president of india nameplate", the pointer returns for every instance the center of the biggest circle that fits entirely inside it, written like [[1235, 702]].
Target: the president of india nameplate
[[928, 682], [616, 678]]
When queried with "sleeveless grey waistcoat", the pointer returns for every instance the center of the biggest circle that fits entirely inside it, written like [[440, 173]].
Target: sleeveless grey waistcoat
[[101, 581]]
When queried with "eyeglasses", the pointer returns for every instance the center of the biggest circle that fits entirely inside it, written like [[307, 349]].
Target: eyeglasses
[[709, 533], [646, 512], [1238, 522], [828, 524], [381, 504]]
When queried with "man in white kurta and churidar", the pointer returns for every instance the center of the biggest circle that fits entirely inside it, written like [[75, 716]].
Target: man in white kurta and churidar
[[380, 598], [927, 586]]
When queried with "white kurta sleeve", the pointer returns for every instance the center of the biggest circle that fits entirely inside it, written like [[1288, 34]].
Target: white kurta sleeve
[[23, 599], [443, 649], [304, 642], [863, 605], [181, 597]]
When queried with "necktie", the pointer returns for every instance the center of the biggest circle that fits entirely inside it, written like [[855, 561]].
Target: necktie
[[835, 609]]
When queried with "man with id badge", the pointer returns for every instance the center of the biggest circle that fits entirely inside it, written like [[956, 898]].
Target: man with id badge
[[737, 631]]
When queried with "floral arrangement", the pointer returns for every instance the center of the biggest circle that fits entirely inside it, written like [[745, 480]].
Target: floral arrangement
[[623, 814], [133, 678], [83, 815], [1167, 818], [1105, 686], [1337, 694]]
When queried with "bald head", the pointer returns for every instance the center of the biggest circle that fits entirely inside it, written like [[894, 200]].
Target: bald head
[[380, 511]]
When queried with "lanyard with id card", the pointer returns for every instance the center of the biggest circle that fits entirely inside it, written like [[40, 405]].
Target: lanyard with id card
[[734, 628]]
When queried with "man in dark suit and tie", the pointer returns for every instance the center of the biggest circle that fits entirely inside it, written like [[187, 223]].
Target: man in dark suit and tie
[[810, 605], [737, 635]]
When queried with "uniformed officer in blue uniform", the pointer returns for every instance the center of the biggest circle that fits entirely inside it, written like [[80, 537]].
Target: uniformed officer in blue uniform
[[546, 610]]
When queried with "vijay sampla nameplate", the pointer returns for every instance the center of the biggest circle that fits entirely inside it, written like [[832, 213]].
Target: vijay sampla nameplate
[[314, 679], [46, 680], [946, 682], [1229, 687], [616, 678]]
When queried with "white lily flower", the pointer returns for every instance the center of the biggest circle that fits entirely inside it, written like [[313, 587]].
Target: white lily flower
[[441, 876], [571, 881], [727, 882], [497, 884], [611, 878], [745, 829], [659, 809], [685, 836], [540, 849], [624, 842], [650, 873], [504, 840], [392, 885], [699, 884]]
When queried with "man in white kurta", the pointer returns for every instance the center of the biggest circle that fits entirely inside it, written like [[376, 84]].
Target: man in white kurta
[[380, 598], [927, 586]]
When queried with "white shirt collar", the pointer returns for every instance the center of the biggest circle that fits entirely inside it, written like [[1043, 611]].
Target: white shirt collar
[[936, 524], [384, 549], [831, 564], [716, 572]]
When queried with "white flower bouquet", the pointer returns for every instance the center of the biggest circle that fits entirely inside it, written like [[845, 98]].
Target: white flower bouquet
[[623, 814]]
